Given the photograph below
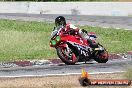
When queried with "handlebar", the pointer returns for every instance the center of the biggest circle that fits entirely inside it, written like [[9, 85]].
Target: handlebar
[[65, 32], [71, 32]]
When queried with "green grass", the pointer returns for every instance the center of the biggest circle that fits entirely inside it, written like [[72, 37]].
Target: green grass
[[25, 40], [116, 41], [30, 40]]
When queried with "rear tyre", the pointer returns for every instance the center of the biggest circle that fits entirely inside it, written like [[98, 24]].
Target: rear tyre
[[69, 60], [101, 56]]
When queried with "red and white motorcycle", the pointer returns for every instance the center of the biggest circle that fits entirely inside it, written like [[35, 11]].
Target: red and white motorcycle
[[72, 48]]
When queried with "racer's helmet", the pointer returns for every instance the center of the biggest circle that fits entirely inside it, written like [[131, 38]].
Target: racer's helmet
[[60, 20]]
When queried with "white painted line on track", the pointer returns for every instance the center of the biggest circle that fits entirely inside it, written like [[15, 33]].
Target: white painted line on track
[[66, 74]]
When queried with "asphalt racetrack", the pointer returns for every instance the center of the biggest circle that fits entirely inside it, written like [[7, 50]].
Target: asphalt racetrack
[[118, 22], [113, 65], [51, 69]]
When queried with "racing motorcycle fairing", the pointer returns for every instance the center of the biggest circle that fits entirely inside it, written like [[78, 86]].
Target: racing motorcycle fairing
[[72, 48], [82, 50]]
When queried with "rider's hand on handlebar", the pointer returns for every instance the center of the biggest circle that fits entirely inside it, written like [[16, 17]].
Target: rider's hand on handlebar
[[70, 31]]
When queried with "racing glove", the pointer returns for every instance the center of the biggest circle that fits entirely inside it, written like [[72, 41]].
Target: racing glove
[[71, 31]]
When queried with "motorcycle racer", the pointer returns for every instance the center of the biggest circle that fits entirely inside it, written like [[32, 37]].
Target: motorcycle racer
[[70, 28]]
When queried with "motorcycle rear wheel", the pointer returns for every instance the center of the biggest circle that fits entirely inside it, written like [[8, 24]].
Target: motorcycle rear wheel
[[101, 56], [61, 54]]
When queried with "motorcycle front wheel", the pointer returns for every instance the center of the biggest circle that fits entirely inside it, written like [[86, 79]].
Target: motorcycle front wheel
[[69, 59]]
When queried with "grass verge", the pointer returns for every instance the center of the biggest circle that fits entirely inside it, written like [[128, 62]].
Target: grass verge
[[30, 40]]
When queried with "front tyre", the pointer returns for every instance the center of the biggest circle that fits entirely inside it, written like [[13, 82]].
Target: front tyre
[[68, 58]]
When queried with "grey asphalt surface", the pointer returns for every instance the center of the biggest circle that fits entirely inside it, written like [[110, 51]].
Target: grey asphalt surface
[[124, 22], [43, 70]]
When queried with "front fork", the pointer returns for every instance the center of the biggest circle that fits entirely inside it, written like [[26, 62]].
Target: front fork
[[68, 51]]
